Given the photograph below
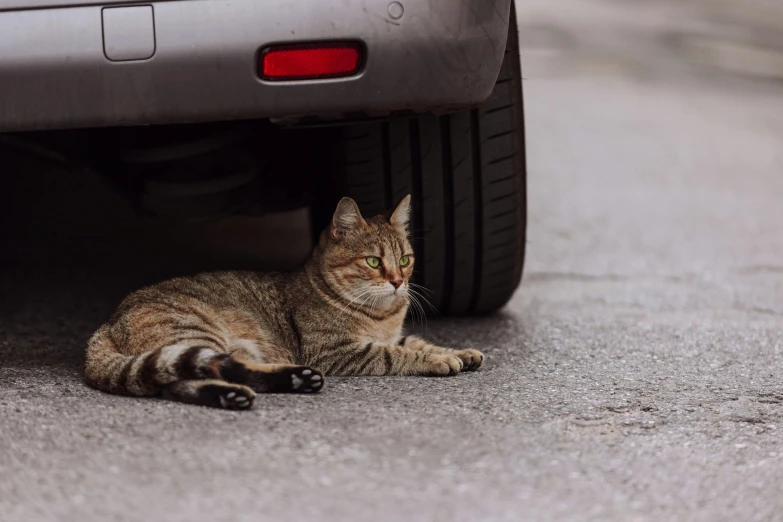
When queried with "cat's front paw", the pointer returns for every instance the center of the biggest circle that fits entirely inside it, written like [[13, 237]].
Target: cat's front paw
[[471, 359], [286, 379], [227, 396], [306, 380], [445, 365]]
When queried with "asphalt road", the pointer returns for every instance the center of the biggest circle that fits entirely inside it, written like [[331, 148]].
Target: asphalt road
[[635, 376]]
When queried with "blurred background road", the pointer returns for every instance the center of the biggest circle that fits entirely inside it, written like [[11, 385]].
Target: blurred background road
[[636, 375]]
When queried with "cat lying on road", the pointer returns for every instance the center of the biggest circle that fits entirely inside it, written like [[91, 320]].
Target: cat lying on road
[[216, 339]]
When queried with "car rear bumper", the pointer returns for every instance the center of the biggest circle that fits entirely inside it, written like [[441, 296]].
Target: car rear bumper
[[442, 54]]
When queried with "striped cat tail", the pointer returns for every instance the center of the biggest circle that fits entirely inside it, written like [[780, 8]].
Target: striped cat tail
[[108, 370]]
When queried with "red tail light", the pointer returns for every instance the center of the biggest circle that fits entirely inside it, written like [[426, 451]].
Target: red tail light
[[310, 61]]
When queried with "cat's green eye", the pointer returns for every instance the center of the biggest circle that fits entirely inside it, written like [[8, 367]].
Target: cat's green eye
[[373, 261], [404, 260]]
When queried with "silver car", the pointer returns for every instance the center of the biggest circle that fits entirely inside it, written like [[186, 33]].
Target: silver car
[[202, 108]]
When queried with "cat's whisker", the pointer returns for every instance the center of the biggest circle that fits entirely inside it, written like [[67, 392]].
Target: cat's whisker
[[417, 298], [371, 299], [352, 301], [374, 302], [420, 287], [418, 309], [423, 317], [416, 313], [375, 295], [424, 298]]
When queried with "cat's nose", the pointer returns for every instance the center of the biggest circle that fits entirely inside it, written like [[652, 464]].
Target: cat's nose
[[396, 283]]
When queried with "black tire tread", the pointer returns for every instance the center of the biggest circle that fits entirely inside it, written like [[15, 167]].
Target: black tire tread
[[466, 173]]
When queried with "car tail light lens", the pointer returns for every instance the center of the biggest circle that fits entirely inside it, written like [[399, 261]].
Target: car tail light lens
[[310, 61]]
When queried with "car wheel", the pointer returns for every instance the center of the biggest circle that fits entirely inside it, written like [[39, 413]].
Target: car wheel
[[466, 173]]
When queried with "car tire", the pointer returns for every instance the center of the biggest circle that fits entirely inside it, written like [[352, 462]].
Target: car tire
[[467, 175]]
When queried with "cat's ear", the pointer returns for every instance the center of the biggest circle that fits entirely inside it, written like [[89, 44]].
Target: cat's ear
[[346, 219], [402, 213]]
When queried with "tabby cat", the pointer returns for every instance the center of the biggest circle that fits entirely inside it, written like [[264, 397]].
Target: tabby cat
[[216, 339]]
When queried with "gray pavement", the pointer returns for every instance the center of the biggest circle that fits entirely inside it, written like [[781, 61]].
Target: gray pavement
[[636, 375]]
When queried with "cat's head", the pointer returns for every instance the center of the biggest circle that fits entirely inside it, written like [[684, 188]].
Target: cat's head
[[368, 261]]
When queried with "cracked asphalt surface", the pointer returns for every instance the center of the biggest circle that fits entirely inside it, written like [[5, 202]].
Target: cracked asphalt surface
[[636, 375]]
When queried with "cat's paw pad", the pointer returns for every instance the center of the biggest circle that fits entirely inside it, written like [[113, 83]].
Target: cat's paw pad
[[306, 380], [445, 365], [471, 359], [231, 398]]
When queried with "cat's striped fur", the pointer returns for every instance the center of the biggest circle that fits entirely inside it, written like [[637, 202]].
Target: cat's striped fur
[[217, 338]]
